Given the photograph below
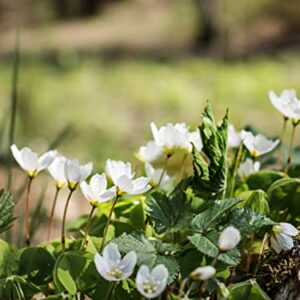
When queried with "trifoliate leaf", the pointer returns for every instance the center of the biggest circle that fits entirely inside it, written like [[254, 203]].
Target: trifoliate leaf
[[248, 221], [212, 215], [204, 245], [231, 257], [168, 214], [150, 252]]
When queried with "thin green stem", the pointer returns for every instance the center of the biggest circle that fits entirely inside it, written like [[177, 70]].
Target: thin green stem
[[182, 286], [163, 172], [108, 222], [52, 215], [282, 134], [261, 252], [87, 229], [289, 159], [63, 233], [234, 169], [26, 219]]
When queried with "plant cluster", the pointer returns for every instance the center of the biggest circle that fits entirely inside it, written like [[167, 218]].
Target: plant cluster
[[211, 215]]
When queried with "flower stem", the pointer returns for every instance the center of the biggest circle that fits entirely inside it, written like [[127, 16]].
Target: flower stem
[[87, 228], [163, 172], [63, 239], [289, 159], [52, 215], [108, 222], [261, 252], [26, 219], [182, 286], [282, 134]]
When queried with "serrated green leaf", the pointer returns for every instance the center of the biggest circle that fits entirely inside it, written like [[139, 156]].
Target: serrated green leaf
[[204, 245], [231, 257], [7, 204], [210, 171], [213, 214], [248, 221], [149, 252], [168, 214], [8, 259]]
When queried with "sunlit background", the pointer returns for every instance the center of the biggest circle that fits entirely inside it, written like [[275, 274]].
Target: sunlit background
[[97, 72]]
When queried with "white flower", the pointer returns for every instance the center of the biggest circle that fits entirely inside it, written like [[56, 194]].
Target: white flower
[[122, 177], [175, 136], [234, 137], [96, 192], [151, 285], [282, 238], [287, 103], [57, 171], [150, 152], [229, 238], [203, 273], [157, 176], [29, 160], [259, 144], [248, 167], [76, 173], [111, 266]]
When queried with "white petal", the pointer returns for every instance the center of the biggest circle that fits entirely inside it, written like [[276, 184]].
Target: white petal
[[140, 186], [98, 183], [86, 170], [17, 155], [150, 152], [160, 272], [128, 263], [289, 229], [103, 267], [87, 191], [275, 245], [72, 171], [108, 195], [285, 241], [57, 169], [111, 254], [46, 160], [125, 184], [29, 159]]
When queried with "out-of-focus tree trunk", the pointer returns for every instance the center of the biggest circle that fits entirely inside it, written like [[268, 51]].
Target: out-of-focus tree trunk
[[207, 27], [61, 8]]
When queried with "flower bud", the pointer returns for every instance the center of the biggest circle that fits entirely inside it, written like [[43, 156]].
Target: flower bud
[[203, 273], [229, 238]]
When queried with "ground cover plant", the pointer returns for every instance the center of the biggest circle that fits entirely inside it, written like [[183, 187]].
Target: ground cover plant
[[211, 213]]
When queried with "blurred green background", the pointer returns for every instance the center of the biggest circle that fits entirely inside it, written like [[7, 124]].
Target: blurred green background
[[109, 68]]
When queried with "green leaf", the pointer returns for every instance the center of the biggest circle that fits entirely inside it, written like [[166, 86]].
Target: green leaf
[[247, 290], [248, 221], [257, 201], [210, 171], [7, 204], [150, 252], [285, 194], [213, 214], [37, 263], [262, 180], [168, 214], [8, 259], [204, 245], [231, 257], [75, 271]]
